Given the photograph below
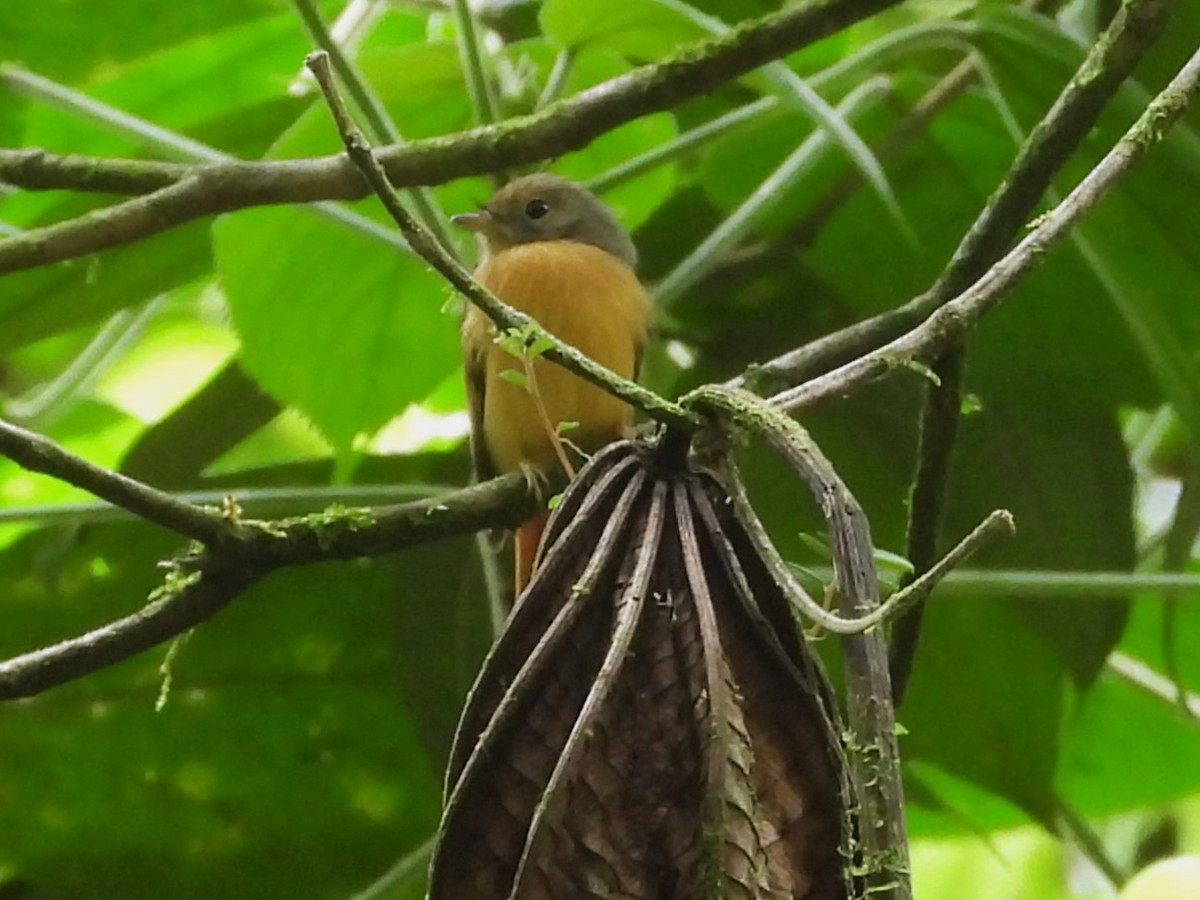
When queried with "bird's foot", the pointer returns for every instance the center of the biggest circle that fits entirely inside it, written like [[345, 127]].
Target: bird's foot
[[537, 481]]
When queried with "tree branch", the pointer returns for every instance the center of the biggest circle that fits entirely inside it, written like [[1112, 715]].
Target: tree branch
[[560, 128], [38, 453], [998, 522], [199, 585], [937, 434]]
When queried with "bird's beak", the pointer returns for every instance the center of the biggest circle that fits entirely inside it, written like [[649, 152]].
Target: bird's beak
[[475, 221]]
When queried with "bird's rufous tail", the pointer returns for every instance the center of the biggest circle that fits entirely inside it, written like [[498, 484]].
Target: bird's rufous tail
[[525, 542]]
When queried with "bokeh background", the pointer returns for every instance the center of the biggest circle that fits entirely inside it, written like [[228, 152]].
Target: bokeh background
[[298, 360]]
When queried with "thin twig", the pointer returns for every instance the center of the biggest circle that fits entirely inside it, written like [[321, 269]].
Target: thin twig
[[504, 316], [38, 453], [937, 435], [1000, 522], [552, 434]]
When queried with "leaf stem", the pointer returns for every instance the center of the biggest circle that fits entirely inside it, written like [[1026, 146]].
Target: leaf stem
[[382, 128], [751, 212], [470, 54]]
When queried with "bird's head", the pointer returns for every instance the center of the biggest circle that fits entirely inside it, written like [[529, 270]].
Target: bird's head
[[545, 207]]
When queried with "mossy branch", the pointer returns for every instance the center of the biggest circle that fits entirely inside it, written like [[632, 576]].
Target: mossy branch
[[238, 553]]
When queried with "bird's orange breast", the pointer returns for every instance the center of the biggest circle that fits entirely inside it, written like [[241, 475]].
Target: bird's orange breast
[[582, 295]]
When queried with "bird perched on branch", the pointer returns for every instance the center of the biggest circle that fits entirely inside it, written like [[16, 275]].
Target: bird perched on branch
[[551, 249]]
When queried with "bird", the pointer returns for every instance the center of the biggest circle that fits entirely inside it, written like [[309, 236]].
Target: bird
[[553, 250]]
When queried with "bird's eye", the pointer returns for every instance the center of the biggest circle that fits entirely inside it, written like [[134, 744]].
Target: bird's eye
[[535, 209]]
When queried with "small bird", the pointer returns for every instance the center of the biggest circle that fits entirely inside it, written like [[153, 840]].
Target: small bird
[[551, 249]]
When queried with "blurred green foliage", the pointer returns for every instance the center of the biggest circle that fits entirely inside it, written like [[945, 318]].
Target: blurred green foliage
[[299, 750]]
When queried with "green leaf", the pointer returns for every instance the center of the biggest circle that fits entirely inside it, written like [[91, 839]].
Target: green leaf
[[332, 321], [1098, 754], [638, 29], [1011, 749], [39, 303], [538, 345], [283, 704], [512, 376], [242, 119], [71, 39]]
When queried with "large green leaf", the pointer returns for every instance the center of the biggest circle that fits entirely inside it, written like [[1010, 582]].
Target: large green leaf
[[333, 689], [364, 313], [73, 38], [1127, 750], [39, 303], [175, 90], [1108, 737], [347, 328]]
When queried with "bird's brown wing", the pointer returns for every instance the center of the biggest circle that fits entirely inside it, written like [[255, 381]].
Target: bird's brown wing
[[475, 370]]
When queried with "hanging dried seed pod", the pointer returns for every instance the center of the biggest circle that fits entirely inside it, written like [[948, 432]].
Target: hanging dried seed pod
[[648, 725]]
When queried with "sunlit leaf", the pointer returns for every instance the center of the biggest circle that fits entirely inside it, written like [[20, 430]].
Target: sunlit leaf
[[346, 328]]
